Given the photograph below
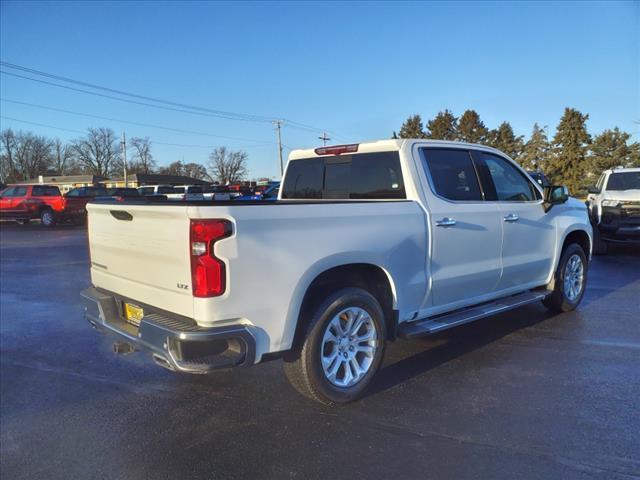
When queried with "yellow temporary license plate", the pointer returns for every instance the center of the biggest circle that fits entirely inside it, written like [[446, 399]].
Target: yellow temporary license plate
[[133, 313]]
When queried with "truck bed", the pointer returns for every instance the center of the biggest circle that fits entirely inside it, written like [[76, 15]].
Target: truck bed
[[141, 250]]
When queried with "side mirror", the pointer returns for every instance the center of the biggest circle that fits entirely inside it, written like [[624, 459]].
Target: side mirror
[[593, 189], [555, 195]]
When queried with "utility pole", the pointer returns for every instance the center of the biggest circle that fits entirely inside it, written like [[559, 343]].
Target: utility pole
[[324, 138], [124, 159], [278, 124]]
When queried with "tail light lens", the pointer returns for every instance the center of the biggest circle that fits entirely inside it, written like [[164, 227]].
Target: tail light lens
[[208, 273]]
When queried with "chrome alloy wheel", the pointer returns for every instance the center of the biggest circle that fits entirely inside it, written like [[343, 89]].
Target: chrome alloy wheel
[[349, 346], [573, 277]]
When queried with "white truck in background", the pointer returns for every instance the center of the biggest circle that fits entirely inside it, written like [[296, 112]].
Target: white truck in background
[[367, 243], [614, 208]]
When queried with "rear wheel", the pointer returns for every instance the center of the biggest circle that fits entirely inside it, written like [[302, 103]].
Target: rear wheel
[[342, 350], [570, 280], [47, 217]]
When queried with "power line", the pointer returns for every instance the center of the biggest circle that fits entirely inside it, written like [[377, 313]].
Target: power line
[[153, 141], [41, 124], [189, 108], [240, 116], [130, 122], [125, 100]]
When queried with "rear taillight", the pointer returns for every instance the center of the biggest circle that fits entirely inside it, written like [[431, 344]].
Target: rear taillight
[[208, 273]]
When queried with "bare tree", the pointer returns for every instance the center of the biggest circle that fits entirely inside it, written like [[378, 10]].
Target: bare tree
[[62, 157], [7, 158], [32, 155], [98, 152], [227, 166], [193, 170], [142, 159]]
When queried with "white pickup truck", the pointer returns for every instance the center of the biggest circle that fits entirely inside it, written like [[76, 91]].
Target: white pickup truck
[[367, 243]]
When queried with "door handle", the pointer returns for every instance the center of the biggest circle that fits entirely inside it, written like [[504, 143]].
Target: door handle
[[512, 217], [445, 222]]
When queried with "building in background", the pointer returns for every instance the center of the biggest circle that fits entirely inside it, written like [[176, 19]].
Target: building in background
[[141, 179]]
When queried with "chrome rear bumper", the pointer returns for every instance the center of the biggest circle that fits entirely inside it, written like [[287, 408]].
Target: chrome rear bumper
[[175, 343]]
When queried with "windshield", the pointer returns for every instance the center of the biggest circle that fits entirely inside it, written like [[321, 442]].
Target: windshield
[[624, 181]]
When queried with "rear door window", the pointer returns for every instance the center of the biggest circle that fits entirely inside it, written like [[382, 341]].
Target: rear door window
[[452, 174], [45, 191]]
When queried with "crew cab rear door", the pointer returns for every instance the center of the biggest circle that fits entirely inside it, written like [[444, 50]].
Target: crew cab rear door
[[466, 231]]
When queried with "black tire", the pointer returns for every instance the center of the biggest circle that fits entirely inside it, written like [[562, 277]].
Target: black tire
[[47, 217], [559, 300], [304, 368]]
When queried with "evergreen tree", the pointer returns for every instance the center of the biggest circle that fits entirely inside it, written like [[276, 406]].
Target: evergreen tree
[[536, 150], [568, 162], [412, 128], [443, 127], [471, 129], [611, 148], [505, 140]]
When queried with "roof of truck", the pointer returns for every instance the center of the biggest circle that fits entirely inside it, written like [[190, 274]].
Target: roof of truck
[[388, 145]]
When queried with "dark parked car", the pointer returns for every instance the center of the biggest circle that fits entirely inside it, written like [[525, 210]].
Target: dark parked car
[[84, 192], [123, 192]]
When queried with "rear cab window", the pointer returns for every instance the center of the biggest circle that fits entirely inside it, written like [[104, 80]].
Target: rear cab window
[[358, 176]]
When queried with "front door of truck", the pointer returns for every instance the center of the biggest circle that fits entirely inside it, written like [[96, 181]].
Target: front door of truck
[[465, 231], [528, 234]]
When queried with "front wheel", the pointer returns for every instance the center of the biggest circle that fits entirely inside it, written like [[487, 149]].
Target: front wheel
[[570, 280], [342, 350]]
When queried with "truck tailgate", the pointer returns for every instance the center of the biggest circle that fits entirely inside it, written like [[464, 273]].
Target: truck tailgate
[[142, 253]]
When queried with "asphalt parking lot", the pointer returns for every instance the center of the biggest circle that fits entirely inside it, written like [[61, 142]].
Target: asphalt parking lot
[[526, 394]]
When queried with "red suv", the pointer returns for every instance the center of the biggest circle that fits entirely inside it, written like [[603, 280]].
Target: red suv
[[24, 203]]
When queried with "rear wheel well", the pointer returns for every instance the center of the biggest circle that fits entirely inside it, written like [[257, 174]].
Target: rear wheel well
[[579, 237], [360, 275]]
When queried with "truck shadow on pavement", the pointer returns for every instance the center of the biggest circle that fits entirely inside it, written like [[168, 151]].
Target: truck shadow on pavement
[[446, 346]]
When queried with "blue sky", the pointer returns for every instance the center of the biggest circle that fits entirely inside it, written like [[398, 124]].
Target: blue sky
[[355, 69]]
